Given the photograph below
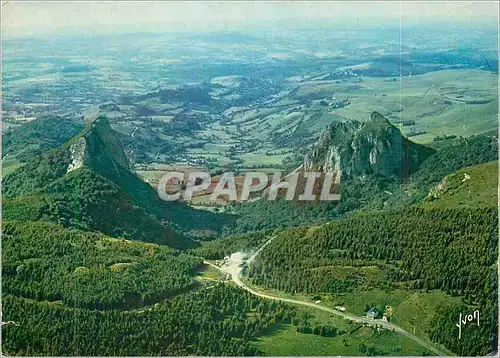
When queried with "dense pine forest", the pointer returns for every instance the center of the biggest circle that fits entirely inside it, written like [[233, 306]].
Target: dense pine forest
[[70, 292], [418, 247], [217, 321], [47, 262]]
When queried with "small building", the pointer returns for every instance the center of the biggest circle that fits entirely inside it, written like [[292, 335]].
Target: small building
[[372, 313], [340, 308]]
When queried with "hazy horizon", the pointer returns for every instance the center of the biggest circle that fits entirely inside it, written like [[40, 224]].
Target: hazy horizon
[[21, 19]]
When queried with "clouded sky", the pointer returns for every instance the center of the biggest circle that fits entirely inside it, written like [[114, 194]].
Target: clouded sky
[[26, 18]]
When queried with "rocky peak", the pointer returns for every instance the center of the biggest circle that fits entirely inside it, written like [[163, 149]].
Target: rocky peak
[[361, 148], [103, 145], [98, 147]]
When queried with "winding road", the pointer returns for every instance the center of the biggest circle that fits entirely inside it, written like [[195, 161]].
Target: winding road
[[235, 267]]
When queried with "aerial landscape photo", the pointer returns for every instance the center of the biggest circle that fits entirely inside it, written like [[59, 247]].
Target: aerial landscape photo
[[217, 178]]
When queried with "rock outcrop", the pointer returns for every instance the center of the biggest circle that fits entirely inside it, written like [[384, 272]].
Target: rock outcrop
[[373, 147]]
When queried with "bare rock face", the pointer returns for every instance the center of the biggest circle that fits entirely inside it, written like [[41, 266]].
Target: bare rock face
[[333, 147], [77, 151], [373, 147]]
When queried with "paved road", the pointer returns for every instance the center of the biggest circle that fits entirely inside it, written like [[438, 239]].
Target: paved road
[[235, 269]]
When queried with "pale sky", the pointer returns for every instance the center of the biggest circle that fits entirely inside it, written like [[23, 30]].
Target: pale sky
[[27, 18]]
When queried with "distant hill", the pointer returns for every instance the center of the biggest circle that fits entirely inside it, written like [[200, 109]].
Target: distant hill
[[31, 139], [87, 183], [184, 95]]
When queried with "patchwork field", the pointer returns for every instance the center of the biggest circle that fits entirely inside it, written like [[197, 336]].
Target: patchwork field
[[425, 106]]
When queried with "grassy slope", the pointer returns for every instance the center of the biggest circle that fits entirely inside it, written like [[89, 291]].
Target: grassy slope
[[413, 310], [288, 342], [468, 187], [284, 340]]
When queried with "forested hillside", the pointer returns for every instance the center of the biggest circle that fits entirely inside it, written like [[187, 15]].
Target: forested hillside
[[413, 248], [85, 200], [220, 321], [33, 138], [447, 243], [453, 250], [47, 262], [113, 296]]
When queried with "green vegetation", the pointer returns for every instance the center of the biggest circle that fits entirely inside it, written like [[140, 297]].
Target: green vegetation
[[37, 173], [450, 157], [437, 101], [408, 247], [9, 164], [475, 340], [86, 200], [419, 308], [212, 322], [468, 187], [377, 192], [96, 264], [364, 341], [103, 194], [266, 214], [33, 138], [47, 262], [428, 262], [452, 250]]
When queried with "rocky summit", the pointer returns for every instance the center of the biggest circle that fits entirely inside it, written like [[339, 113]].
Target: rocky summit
[[361, 148]]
